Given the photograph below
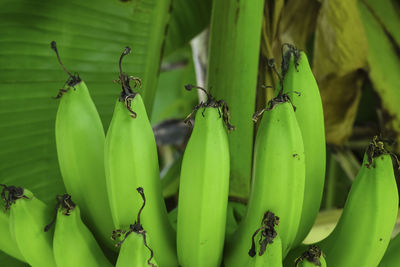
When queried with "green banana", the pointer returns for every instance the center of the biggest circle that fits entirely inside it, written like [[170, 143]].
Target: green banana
[[313, 256], [73, 243], [134, 249], [278, 179], [28, 216], [269, 246], [363, 232], [135, 253], [80, 149], [204, 186], [298, 79], [392, 255], [7, 242], [131, 161]]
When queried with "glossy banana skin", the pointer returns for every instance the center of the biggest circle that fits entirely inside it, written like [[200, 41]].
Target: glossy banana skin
[[27, 220], [203, 192], [134, 253], [131, 161], [7, 242], [310, 117], [392, 254], [80, 149], [74, 244], [278, 182], [364, 229]]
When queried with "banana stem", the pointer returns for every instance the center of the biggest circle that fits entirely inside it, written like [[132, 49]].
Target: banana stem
[[231, 23]]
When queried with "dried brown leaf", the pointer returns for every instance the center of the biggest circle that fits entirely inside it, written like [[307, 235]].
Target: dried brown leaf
[[340, 52]]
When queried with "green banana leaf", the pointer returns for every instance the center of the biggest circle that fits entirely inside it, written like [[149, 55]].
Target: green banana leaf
[[90, 36]]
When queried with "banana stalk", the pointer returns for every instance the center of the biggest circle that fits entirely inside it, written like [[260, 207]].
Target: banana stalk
[[235, 35]]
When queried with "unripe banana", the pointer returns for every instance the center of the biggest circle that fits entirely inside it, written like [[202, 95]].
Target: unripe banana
[[73, 243], [267, 252], [278, 179], [204, 187], [131, 161], [7, 242], [135, 251], [392, 254], [312, 257], [80, 149], [298, 79], [28, 216], [369, 215]]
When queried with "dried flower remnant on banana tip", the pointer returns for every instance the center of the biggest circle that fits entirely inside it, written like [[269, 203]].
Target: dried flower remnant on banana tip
[[67, 205], [313, 254], [127, 93], [10, 194], [211, 102], [268, 233], [280, 98], [377, 148], [72, 79], [136, 228]]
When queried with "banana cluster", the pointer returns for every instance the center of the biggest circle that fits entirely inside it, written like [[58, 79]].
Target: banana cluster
[[103, 174]]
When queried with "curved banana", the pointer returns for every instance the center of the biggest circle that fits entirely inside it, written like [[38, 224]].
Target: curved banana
[[312, 257], [278, 179], [134, 249], [131, 161], [299, 83], [269, 245], [80, 149], [7, 242], [28, 216], [366, 224], [204, 187], [392, 254], [73, 243]]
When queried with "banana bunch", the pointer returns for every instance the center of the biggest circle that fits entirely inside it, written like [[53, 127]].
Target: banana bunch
[[300, 85], [73, 243], [80, 149], [278, 179], [313, 256], [134, 248], [131, 161], [369, 215], [28, 215], [269, 245], [204, 186], [102, 172], [392, 255]]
